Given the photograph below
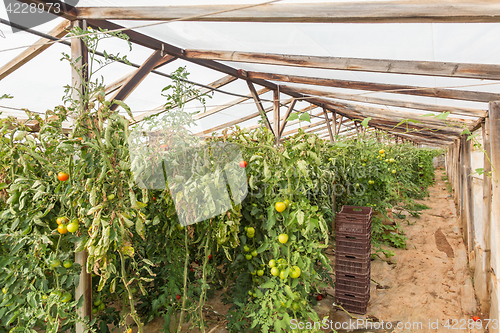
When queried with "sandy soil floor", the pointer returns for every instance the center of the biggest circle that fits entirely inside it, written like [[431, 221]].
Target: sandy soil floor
[[427, 284]]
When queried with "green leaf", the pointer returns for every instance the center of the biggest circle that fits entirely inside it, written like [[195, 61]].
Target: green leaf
[[364, 123], [305, 117], [125, 107], [443, 116], [267, 285], [292, 116]]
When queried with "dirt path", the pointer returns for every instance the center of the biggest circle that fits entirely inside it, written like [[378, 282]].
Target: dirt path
[[430, 280]]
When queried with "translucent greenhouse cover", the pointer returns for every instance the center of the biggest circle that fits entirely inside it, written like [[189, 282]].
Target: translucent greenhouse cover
[[38, 85]]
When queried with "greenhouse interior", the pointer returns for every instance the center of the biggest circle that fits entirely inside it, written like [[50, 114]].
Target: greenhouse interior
[[249, 166]]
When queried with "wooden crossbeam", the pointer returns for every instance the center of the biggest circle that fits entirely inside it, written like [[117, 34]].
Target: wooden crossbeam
[[139, 75], [464, 95], [31, 52], [343, 12], [428, 68], [259, 105], [227, 105], [202, 91], [392, 102]]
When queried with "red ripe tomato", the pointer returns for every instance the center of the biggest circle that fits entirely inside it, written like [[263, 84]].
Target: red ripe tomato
[[319, 297], [475, 318], [62, 176], [154, 199], [178, 297], [243, 164], [210, 257]]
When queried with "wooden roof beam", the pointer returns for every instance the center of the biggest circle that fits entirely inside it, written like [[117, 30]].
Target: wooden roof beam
[[31, 52], [342, 12], [393, 102], [464, 95], [428, 68]]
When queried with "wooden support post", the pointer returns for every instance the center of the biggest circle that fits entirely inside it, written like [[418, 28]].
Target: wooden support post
[[340, 124], [260, 107], [335, 123], [494, 120], [78, 80], [487, 206], [276, 114], [328, 124], [468, 204]]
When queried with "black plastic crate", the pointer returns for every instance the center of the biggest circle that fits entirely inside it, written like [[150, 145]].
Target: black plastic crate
[[355, 236], [353, 246], [352, 280], [357, 264], [355, 214], [352, 302], [359, 287], [353, 228]]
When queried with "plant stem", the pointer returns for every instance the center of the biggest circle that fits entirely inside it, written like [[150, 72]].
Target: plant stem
[[133, 312], [184, 297]]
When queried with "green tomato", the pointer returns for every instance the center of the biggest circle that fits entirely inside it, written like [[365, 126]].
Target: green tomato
[[67, 263], [283, 275], [73, 226], [102, 307], [295, 273], [272, 263], [295, 306], [246, 248], [95, 310], [249, 235], [283, 238], [275, 271], [260, 272], [254, 253], [248, 256], [66, 297], [55, 263], [251, 230], [97, 302]]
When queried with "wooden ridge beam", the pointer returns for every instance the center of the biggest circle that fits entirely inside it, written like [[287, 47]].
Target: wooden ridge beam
[[428, 68], [31, 52], [220, 108], [464, 95], [342, 12], [214, 85], [392, 102]]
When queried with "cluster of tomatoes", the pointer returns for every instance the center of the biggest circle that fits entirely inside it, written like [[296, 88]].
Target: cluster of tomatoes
[[63, 226], [387, 160]]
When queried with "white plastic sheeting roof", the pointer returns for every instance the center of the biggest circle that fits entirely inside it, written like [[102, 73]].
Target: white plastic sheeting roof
[[38, 85]]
